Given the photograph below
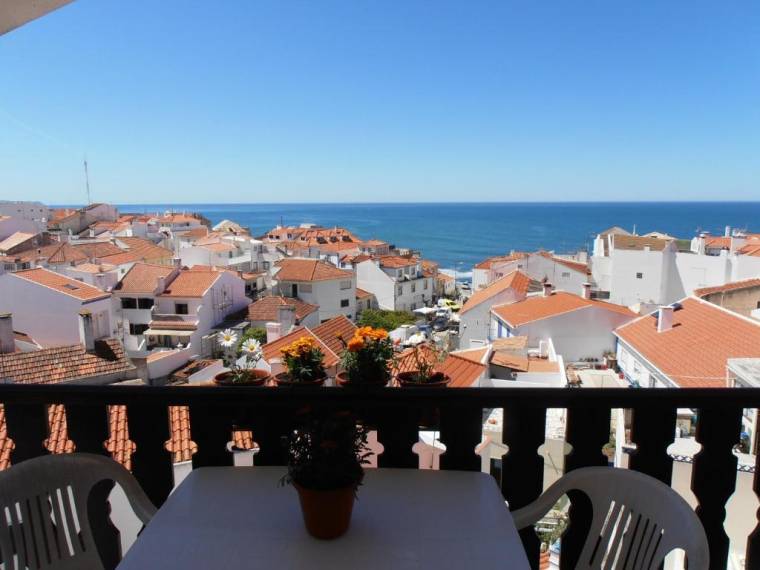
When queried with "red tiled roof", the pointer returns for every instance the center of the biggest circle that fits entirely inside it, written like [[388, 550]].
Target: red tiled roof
[[397, 261], [733, 286], [54, 253], [516, 280], [145, 250], [191, 283], [265, 309], [173, 324], [717, 242], [474, 354], [15, 239], [64, 363], [143, 278], [62, 284], [541, 307], [752, 249], [362, 294], [489, 262], [328, 332], [693, 353], [309, 270], [574, 265]]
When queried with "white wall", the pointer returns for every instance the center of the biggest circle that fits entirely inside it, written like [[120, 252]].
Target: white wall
[[49, 317], [578, 334], [169, 362], [474, 324], [9, 226], [373, 279]]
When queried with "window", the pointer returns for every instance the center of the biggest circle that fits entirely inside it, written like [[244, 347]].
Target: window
[[344, 302], [180, 308], [144, 303], [345, 284], [294, 290], [305, 288], [565, 274], [400, 290], [639, 275], [414, 287], [128, 303], [137, 329], [425, 284], [266, 265]]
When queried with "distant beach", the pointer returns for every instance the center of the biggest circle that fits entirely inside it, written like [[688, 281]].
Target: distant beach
[[459, 235]]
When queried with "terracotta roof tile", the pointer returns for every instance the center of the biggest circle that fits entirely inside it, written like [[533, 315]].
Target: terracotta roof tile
[[191, 283], [65, 363], [693, 353], [143, 278], [733, 286], [541, 307], [489, 262], [397, 261], [750, 249], [15, 239], [265, 309], [574, 265], [474, 354], [309, 270], [362, 294], [328, 332], [462, 371], [516, 280], [62, 284]]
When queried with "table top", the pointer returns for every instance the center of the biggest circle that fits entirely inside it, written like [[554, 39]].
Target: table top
[[240, 517]]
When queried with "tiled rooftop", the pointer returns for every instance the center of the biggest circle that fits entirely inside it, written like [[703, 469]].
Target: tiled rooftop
[[265, 309], [309, 270], [62, 284], [191, 284], [143, 278], [516, 280], [542, 307]]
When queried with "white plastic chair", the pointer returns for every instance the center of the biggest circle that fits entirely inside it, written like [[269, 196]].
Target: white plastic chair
[[636, 520], [43, 510]]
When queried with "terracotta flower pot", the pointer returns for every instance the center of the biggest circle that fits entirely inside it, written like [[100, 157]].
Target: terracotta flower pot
[[285, 379], [255, 377], [326, 514], [409, 380], [341, 379]]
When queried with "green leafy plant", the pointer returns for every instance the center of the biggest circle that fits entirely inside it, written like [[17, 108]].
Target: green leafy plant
[[388, 320], [326, 451], [366, 356]]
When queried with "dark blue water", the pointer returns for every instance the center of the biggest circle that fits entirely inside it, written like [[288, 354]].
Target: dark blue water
[[460, 235]]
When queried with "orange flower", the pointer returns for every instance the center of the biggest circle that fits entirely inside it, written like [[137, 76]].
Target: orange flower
[[355, 344]]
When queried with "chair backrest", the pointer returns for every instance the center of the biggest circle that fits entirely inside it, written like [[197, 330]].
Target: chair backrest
[[637, 520], [44, 505]]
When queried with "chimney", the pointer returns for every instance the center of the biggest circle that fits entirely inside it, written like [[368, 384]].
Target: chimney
[[727, 233], [160, 285], [7, 341], [586, 290], [273, 331], [86, 333], [547, 288], [286, 316], [664, 319]]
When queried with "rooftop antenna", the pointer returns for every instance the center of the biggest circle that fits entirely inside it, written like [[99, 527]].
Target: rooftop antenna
[[87, 180]]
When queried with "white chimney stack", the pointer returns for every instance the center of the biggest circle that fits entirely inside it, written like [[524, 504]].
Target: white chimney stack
[[664, 319], [586, 290], [286, 316], [273, 331], [728, 231], [86, 333], [548, 289], [7, 340]]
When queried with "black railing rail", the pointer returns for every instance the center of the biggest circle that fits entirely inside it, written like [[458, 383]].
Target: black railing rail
[[397, 414]]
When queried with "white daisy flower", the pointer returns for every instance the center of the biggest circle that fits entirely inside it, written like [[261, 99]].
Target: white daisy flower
[[251, 347], [227, 338]]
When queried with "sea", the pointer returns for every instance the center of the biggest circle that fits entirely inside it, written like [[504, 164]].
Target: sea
[[458, 235]]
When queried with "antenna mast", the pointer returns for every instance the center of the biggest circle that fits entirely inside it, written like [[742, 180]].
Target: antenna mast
[[87, 180]]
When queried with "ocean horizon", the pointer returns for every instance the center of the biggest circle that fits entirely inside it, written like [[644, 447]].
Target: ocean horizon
[[459, 234]]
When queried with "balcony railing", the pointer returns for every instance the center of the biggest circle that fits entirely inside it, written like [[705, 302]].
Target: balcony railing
[[398, 415]]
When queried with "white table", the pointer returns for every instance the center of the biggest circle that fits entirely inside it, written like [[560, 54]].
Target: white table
[[239, 517]]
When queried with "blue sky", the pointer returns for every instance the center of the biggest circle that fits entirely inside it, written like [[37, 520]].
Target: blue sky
[[306, 101]]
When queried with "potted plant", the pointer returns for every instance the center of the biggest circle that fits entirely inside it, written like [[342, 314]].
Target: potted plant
[[550, 530], [248, 374], [365, 358], [304, 361], [326, 454], [425, 373]]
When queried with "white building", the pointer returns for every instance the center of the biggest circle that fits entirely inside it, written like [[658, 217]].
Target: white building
[[475, 315], [239, 252], [318, 283], [566, 274], [398, 283], [575, 325], [10, 225], [47, 306], [35, 212], [652, 271], [162, 307]]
